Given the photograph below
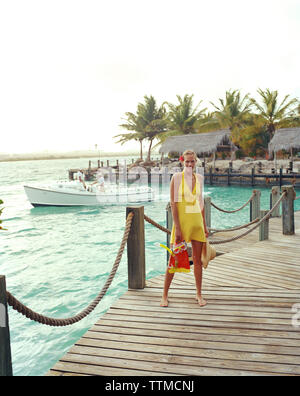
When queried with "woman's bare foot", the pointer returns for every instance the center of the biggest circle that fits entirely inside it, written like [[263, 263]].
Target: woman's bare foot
[[201, 301], [164, 302]]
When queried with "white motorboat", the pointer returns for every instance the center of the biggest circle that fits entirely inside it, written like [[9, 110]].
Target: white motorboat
[[74, 194]]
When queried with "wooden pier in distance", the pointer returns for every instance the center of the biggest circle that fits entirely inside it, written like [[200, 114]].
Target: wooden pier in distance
[[249, 326], [160, 174]]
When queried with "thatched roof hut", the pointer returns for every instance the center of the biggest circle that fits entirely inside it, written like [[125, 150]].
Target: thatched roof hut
[[201, 143], [285, 139]]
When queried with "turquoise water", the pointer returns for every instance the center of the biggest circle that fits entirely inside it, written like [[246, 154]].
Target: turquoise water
[[56, 260]]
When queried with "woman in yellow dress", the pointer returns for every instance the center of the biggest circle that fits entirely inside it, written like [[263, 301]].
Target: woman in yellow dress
[[188, 220]]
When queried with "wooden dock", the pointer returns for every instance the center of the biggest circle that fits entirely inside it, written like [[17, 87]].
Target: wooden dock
[[160, 174], [247, 328]]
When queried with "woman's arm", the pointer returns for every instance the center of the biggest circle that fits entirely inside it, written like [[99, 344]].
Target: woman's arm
[[204, 223], [201, 201]]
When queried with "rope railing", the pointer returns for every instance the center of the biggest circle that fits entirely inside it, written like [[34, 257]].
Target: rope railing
[[30, 314], [21, 308], [262, 220], [215, 230], [236, 210], [134, 237], [157, 225], [258, 221], [166, 230]]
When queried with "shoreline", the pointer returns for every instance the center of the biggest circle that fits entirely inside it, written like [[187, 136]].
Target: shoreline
[[56, 156], [221, 166]]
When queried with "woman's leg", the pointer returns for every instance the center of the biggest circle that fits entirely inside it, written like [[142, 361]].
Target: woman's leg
[[168, 280], [197, 250]]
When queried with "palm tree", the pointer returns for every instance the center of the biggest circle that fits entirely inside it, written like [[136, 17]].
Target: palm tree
[[232, 112], [274, 114], [253, 138], [148, 122], [182, 117], [135, 125], [295, 121], [153, 118]]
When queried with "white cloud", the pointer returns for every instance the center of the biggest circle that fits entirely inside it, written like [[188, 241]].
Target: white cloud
[[71, 69]]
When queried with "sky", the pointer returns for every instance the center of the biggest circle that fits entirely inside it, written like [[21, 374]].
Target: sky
[[71, 69]]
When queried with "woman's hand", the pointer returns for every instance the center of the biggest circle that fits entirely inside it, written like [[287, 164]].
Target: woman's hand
[[178, 235]]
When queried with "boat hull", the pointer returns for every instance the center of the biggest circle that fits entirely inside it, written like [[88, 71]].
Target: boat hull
[[38, 196]]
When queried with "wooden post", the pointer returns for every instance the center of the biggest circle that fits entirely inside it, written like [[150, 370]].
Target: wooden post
[[288, 221], [148, 170], [207, 211], [264, 227], [274, 197], [210, 176], [136, 249], [255, 206], [5, 351], [280, 177], [252, 176], [228, 176]]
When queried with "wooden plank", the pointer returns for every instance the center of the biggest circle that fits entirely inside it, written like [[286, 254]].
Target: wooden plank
[[179, 332], [287, 364], [208, 311], [285, 334], [184, 365], [170, 314], [192, 342], [246, 328], [198, 322]]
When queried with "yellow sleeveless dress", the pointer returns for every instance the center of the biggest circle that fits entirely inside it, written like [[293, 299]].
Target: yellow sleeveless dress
[[189, 213]]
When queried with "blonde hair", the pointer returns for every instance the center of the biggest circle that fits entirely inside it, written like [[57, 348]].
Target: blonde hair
[[190, 152]]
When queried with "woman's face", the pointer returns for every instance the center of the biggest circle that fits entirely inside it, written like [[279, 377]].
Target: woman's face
[[189, 161]]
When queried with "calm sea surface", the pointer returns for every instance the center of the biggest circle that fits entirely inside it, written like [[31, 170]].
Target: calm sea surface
[[56, 260]]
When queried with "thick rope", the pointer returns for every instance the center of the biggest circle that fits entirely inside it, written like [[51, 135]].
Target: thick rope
[[160, 227], [214, 230], [21, 308], [263, 219], [259, 222], [236, 210]]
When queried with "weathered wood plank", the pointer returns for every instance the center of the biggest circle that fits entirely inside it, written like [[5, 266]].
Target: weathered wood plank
[[180, 332], [195, 342], [246, 328], [157, 363], [288, 364]]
